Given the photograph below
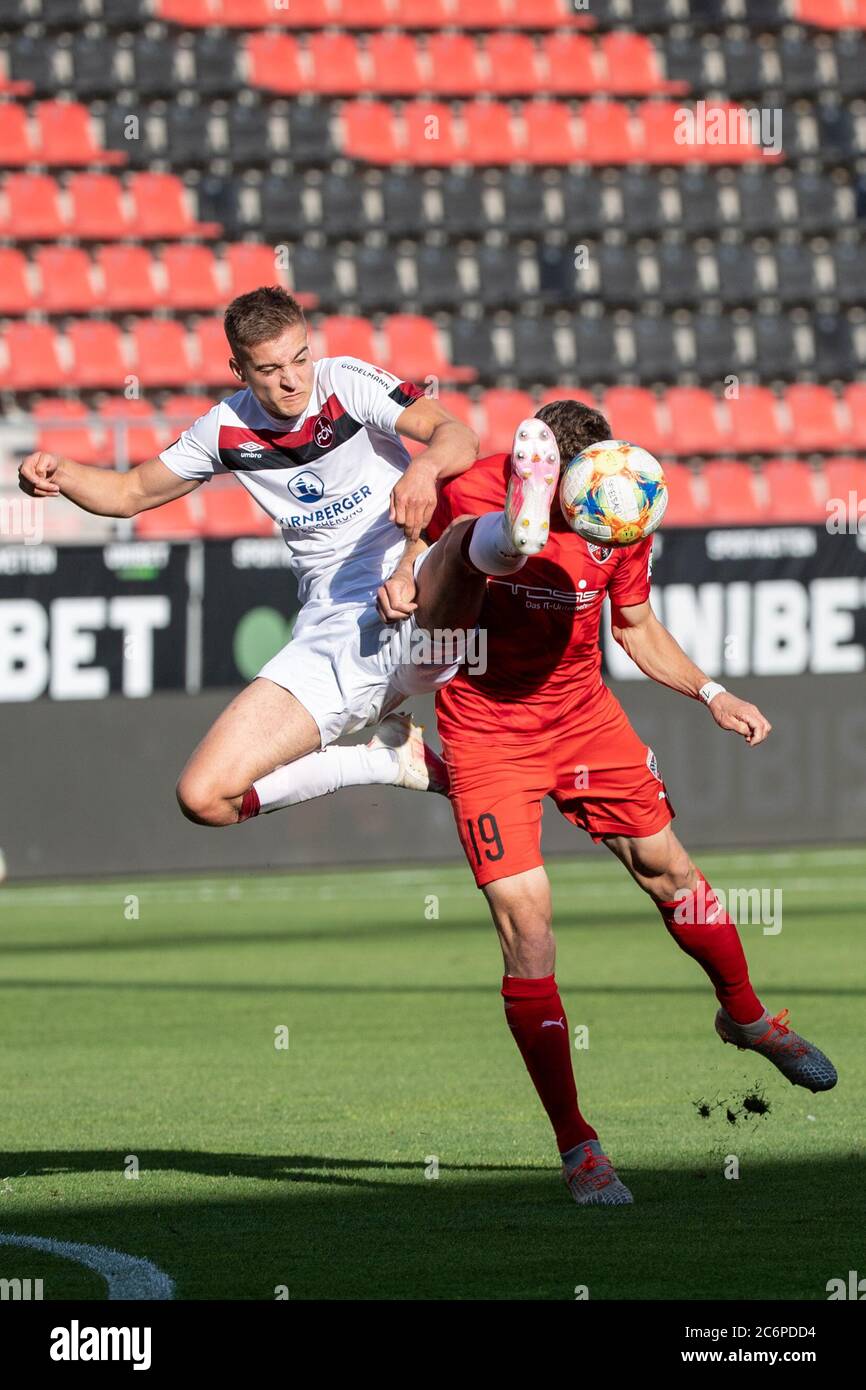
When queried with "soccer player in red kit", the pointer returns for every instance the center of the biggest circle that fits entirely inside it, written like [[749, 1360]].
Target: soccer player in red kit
[[539, 722]]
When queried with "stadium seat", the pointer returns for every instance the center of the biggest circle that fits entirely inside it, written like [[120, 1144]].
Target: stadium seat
[[191, 278], [127, 278], [849, 268], [499, 277], [64, 436], [655, 348], [695, 424], [310, 140], [16, 145], [66, 284], [229, 510], [343, 213], [815, 422], [216, 65], [431, 134], [619, 274], [824, 14], [422, 14], [631, 66], [534, 349], [731, 493], [396, 65], [455, 64], [846, 481], [161, 211], [181, 410], [679, 279], [633, 412], [98, 359], [490, 134], [242, 14], [523, 198], [684, 508], [736, 273], [583, 202], [370, 132], [607, 133], [345, 336], [795, 273], [472, 343], [153, 61], [642, 209], [484, 14], [281, 210], [360, 14], [502, 412], [817, 204], [755, 424], [251, 265], [513, 66], [744, 68], [850, 54], [572, 65], [377, 281], [65, 136], [550, 134], [31, 208], [854, 397], [16, 294], [835, 353], [791, 492], [249, 136], [30, 63], [181, 519], [595, 350], [161, 353], [98, 212], [700, 207], [313, 271], [212, 356], [801, 69], [414, 353], [552, 14], [714, 346], [139, 441], [275, 63], [336, 67], [460, 405], [438, 276], [463, 210]]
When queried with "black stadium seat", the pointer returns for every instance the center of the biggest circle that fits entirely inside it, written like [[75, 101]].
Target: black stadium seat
[[523, 197], [799, 62], [472, 345], [795, 273], [618, 273], [93, 67], [707, 14], [403, 201], [595, 348], [438, 276], [64, 14], [582, 203], [767, 14], [153, 66], [759, 208], [343, 212], [685, 60], [127, 130], [463, 211], [498, 275], [216, 64], [642, 211], [849, 265], [187, 136], [219, 201], [817, 204], [647, 16], [737, 273], [556, 273], [851, 63], [310, 133], [775, 354], [700, 209], [654, 348], [248, 135], [534, 354], [744, 68], [679, 277], [714, 346], [376, 278], [30, 60], [835, 354], [281, 204], [314, 271]]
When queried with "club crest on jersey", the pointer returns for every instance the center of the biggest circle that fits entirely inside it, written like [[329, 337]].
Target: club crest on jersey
[[599, 553], [323, 433], [307, 486], [652, 763]]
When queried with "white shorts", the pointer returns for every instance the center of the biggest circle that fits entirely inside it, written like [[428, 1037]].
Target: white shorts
[[349, 669]]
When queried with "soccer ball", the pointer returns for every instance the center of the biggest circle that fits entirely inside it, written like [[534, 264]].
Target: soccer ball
[[613, 492]]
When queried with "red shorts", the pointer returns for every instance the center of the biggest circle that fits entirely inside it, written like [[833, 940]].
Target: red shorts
[[599, 774]]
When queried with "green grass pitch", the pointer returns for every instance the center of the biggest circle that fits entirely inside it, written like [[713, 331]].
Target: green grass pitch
[[307, 1168]]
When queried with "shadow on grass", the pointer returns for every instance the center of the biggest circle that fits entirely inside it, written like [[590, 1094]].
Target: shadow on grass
[[366, 1228]]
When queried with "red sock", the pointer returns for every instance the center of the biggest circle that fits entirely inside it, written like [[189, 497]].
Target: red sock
[[534, 1013], [707, 934], [250, 804]]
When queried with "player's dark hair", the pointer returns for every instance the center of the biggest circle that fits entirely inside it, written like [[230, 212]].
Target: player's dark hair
[[259, 316], [575, 426]]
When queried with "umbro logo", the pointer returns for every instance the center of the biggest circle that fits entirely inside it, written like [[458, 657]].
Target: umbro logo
[[251, 448]]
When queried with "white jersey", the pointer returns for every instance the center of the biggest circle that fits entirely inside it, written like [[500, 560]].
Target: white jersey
[[325, 477]]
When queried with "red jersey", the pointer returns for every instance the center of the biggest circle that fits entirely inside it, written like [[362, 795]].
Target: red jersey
[[542, 623]]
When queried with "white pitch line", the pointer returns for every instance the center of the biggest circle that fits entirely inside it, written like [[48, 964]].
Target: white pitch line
[[126, 1276]]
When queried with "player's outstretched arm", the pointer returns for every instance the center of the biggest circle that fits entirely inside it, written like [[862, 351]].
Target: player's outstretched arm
[[451, 448], [102, 491], [660, 656]]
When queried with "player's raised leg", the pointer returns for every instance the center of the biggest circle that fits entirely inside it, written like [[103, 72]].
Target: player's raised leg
[[521, 908], [696, 920]]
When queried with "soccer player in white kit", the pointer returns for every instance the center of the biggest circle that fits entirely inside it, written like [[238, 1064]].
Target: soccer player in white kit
[[316, 444]]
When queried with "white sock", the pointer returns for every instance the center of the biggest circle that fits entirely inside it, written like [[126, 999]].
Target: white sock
[[490, 548], [320, 773]]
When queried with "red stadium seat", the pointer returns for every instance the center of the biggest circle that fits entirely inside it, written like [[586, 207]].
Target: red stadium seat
[[127, 278], [846, 483], [229, 510], [16, 146], [414, 352], [141, 441], [65, 136], [16, 295], [32, 358], [191, 277], [514, 65], [607, 133], [755, 425], [191, 14], [275, 63], [683, 507], [791, 489], [826, 14], [503, 412], [161, 353], [97, 354], [732, 494], [98, 212], [251, 265], [336, 65], [32, 208], [551, 14], [695, 425], [572, 66], [213, 355], [360, 14], [345, 336], [631, 66], [180, 411], [659, 124], [633, 412], [550, 134], [461, 406], [490, 134], [431, 134], [484, 14], [177, 520], [854, 397], [396, 60], [422, 14], [297, 14], [370, 132], [814, 418], [66, 280], [69, 440], [455, 62], [245, 14], [161, 211]]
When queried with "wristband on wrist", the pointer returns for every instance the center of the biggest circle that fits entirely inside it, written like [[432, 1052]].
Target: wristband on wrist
[[709, 691]]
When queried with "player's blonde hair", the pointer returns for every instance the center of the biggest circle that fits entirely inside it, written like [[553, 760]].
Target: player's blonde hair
[[259, 316]]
